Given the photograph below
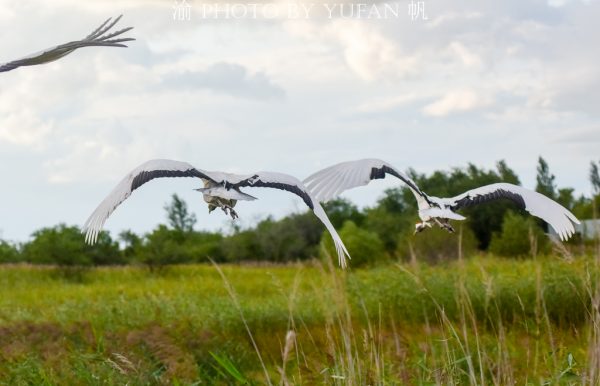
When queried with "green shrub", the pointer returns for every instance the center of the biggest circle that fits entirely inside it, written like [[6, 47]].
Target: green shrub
[[364, 246], [240, 246], [436, 245], [65, 246], [164, 246], [8, 252], [199, 246], [520, 236], [161, 247]]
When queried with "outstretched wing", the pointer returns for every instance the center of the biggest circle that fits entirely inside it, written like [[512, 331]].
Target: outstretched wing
[[333, 180], [96, 38], [559, 217], [137, 177], [294, 185]]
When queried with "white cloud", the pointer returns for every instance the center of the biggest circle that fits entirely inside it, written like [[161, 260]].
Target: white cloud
[[466, 56], [23, 128], [386, 103], [371, 54], [456, 101], [367, 51]]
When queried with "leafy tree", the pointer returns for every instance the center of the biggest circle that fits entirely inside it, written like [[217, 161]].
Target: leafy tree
[[65, 246], [545, 179], [393, 212], [565, 197], [105, 251], [393, 201], [180, 219], [517, 236], [388, 225], [199, 246], [164, 246], [240, 246], [506, 174], [595, 178], [292, 238], [341, 210], [174, 244], [9, 253], [365, 247], [131, 243], [161, 247]]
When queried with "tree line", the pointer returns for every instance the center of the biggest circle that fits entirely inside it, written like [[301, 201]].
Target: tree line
[[381, 232]]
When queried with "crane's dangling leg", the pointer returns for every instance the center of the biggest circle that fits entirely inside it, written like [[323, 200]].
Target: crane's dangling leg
[[444, 223], [229, 211]]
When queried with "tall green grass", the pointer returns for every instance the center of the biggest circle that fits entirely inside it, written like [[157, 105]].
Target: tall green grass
[[477, 321]]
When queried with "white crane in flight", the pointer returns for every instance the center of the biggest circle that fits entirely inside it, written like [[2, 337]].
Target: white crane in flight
[[330, 182], [221, 190]]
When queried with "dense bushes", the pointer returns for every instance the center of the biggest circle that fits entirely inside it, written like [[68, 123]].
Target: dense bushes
[[365, 247], [65, 246], [520, 236], [8, 252]]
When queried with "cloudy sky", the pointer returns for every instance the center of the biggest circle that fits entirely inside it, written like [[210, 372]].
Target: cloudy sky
[[280, 91]]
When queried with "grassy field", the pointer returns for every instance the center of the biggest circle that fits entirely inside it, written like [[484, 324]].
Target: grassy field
[[481, 321]]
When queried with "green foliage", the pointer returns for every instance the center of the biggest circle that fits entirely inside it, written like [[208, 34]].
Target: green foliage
[[105, 251], [520, 236], [65, 246], [200, 246], [364, 246], [241, 246], [8, 252], [227, 369], [295, 237], [180, 219], [565, 197], [545, 180], [388, 225], [131, 243], [341, 210], [292, 238], [394, 212], [164, 246], [436, 245], [595, 177]]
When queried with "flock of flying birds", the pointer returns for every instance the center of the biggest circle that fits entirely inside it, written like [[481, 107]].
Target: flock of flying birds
[[223, 190]]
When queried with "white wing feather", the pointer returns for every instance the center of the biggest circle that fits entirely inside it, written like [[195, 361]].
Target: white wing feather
[[333, 180], [96, 221], [559, 217]]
